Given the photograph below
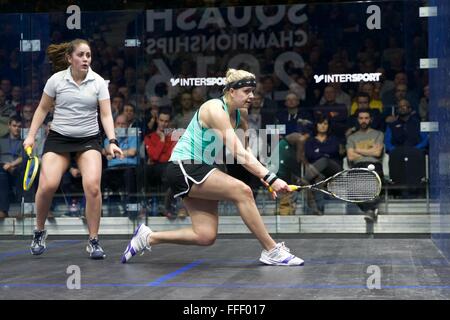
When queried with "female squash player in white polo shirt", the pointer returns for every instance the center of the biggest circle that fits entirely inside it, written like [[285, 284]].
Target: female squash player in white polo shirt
[[75, 91], [193, 176]]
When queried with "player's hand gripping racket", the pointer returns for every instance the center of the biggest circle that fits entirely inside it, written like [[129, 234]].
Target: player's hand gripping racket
[[30, 170], [353, 185]]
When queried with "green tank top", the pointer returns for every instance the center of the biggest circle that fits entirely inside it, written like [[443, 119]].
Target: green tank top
[[198, 143]]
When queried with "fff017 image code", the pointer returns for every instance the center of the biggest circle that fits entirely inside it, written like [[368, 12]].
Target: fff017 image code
[[231, 309]]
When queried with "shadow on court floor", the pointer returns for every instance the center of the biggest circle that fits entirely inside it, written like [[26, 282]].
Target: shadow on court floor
[[336, 268]]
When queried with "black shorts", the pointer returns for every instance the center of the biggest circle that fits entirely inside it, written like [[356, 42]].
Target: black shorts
[[182, 175], [58, 143]]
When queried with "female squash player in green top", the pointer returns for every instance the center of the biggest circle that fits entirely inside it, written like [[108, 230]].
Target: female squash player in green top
[[194, 177]]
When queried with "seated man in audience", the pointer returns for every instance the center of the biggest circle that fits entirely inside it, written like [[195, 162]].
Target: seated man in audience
[[362, 101], [406, 146], [405, 129], [365, 147], [158, 147], [11, 155], [298, 125], [6, 112]]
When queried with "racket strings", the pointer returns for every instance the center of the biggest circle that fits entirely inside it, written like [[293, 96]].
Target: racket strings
[[31, 170], [30, 173], [355, 185]]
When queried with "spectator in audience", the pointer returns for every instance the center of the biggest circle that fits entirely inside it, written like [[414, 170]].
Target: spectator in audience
[[6, 108], [335, 112], [16, 98], [385, 83], [6, 111], [129, 111], [362, 103], [401, 91], [159, 146], [124, 92], [374, 103], [405, 130], [117, 76], [13, 68], [182, 119], [152, 123], [341, 96], [258, 118], [120, 174], [117, 104], [5, 86], [406, 146], [258, 115], [268, 87], [10, 164], [365, 147], [142, 111], [27, 115], [307, 98], [322, 153], [298, 124], [198, 97]]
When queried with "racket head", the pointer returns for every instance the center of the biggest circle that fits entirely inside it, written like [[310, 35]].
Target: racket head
[[30, 172], [357, 185]]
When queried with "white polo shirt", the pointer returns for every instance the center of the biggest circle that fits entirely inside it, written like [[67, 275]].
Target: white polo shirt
[[75, 112]]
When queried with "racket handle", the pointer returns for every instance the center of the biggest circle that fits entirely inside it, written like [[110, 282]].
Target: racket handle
[[28, 150], [293, 187]]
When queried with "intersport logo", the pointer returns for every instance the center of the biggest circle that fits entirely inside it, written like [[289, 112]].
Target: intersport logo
[[350, 77], [189, 82]]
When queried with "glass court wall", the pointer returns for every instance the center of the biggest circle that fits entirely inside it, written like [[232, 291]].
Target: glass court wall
[[311, 60]]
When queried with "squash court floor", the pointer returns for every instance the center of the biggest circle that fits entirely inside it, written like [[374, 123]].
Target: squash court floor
[[335, 268]]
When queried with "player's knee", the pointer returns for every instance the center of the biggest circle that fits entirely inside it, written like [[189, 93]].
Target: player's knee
[[48, 186], [92, 190], [243, 191], [206, 238]]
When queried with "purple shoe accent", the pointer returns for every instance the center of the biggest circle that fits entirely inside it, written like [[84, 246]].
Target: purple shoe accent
[[137, 230], [129, 247], [285, 261]]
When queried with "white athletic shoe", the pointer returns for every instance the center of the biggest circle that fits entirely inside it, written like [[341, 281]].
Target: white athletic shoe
[[38, 244], [138, 243], [280, 256]]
